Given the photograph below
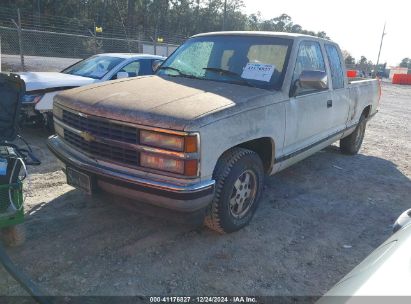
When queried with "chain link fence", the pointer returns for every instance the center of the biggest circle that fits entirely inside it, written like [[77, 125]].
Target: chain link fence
[[29, 45]]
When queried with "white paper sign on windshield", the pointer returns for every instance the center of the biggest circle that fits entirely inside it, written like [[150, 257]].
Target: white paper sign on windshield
[[258, 71]]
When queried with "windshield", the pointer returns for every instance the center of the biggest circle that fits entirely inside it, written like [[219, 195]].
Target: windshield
[[94, 67], [257, 61]]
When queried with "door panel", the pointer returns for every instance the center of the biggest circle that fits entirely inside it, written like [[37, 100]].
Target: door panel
[[308, 118], [340, 110]]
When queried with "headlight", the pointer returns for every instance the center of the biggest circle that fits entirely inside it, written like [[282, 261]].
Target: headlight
[[168, 141], [179, 166], [32, 98], [172, 142], [162, 163]]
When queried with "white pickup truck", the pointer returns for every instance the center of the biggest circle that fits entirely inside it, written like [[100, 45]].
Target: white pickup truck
[[224, 110]]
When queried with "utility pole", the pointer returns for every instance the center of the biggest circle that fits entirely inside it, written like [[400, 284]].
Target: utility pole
[[379, 52], [95, 37], [155, 41], [225, 14], [20, 37]]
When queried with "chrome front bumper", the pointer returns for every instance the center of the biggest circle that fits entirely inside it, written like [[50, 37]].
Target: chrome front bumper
[[182, 197]]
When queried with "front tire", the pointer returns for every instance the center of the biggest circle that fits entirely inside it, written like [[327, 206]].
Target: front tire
[[239, 176], [352, 143]]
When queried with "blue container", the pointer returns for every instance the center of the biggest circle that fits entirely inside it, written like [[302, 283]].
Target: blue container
[[3, 166]]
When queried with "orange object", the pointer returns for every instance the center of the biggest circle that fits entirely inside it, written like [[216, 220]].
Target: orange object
[[351, 73], [401, 79], [190, 144]]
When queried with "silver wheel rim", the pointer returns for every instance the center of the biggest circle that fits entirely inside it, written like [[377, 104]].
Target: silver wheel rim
[[243, 194]]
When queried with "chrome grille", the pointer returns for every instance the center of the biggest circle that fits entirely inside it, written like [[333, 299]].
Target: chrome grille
[[102, 128], [103, 151]]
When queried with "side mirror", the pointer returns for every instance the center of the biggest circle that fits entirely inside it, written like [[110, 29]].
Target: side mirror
[[315, 80], [122, 75], [156, 65]]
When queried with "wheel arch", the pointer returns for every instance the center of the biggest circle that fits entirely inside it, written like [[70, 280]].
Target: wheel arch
[[264, 147], [366, 111]]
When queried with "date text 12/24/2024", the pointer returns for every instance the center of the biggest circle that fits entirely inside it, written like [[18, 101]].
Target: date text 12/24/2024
[[203, 299]]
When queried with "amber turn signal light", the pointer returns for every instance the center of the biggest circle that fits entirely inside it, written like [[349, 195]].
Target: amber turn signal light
[[190, 144]]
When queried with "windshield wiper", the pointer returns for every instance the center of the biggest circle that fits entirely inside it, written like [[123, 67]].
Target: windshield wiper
[[222, 71], [179, 72], [228, 72], [171, 68]]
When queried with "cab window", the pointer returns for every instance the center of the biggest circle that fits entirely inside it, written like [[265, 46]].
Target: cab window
[[132, 69], [337, 73]]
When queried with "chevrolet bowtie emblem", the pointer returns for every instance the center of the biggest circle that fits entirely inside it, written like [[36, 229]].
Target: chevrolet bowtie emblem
[[87, 136]]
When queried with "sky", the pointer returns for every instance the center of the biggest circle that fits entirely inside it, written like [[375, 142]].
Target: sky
[[356, 25]]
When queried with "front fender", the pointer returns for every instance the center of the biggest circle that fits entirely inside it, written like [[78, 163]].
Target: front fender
[[224, 134]]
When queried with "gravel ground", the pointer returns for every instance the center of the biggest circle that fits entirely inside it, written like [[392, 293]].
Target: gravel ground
[[293, 246]]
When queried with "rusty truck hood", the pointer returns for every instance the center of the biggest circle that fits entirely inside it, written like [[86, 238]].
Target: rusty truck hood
[[162, 101]]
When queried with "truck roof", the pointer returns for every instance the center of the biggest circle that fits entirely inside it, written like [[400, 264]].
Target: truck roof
[[258, 33]]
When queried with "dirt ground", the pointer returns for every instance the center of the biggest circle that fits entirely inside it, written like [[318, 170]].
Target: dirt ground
[[293, 246]]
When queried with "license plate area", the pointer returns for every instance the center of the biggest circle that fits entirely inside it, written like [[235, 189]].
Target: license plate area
[[79, 179]]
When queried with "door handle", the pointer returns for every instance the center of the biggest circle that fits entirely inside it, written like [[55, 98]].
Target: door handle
[[329, 103]]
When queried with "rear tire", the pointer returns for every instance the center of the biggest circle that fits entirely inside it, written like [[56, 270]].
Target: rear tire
[[14, 236], [352, 143], [239, 177]]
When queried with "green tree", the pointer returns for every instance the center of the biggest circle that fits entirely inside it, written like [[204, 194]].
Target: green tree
[[142, 17], [363, 60], [348, 59], [405, 63]]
